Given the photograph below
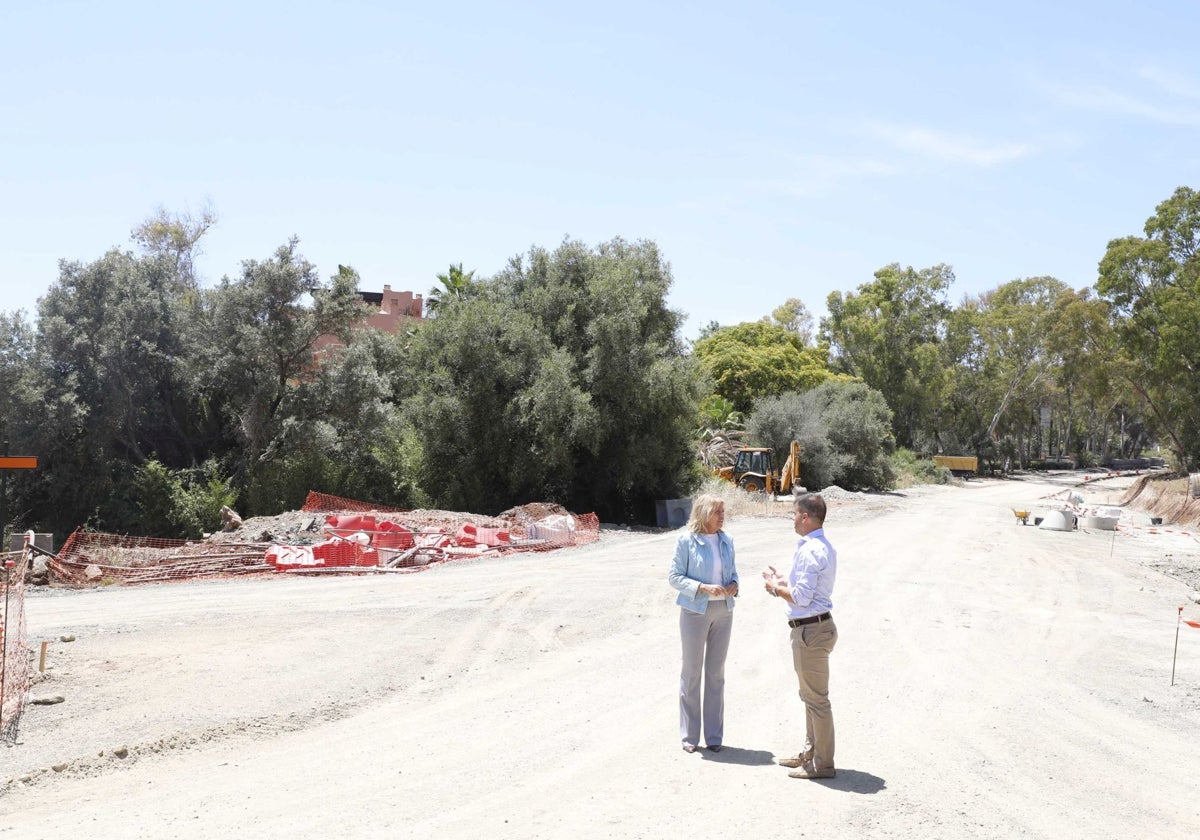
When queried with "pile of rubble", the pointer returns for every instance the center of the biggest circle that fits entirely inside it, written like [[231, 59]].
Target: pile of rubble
[[329, 535], [300, 527]]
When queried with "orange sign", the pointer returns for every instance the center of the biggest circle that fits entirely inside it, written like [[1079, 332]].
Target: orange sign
[[18, 462]]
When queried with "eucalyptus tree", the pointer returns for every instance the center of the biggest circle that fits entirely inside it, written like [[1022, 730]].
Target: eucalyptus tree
[[1152, 283], [1015, 321], [888, 334], [794, 317]]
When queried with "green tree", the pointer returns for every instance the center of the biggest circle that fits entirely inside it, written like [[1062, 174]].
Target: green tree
[[112, 364], [262, 334], [794, 317], [175, 237], [1152, 283], [1014, 323], [562, 378], [888, 335], [718, 415], [456, 285], [758, 359]]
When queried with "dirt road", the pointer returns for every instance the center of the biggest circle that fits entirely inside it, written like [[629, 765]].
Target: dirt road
[[991, 681]]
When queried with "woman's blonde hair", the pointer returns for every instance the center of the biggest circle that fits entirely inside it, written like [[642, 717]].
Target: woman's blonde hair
[[702, 510]]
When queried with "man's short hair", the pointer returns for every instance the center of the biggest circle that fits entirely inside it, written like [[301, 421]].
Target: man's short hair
[[813, 504]]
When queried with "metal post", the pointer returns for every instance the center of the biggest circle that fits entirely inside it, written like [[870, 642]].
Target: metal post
[[1178, 617]]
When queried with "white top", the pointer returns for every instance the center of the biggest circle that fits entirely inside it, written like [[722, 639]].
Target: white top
[[712, 547]]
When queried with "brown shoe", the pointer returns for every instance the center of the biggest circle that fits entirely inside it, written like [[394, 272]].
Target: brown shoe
[[796, 760], [808, 771]]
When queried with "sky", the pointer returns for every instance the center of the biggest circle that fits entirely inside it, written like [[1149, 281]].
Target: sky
[[771, 150]]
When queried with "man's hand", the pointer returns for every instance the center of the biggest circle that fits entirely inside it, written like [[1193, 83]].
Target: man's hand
[[773, 580]]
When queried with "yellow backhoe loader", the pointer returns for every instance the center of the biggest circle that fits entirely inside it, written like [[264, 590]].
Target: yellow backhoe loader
[[754, 470]]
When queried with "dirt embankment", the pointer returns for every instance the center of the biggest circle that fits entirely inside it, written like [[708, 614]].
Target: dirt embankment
[[1166, 496]]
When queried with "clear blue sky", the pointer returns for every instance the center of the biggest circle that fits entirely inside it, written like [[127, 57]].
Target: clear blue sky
[[773, 150]]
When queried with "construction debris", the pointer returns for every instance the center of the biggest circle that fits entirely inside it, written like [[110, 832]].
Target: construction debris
[[328, 535]]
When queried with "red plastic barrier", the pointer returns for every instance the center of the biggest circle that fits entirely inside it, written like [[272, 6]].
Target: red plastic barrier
[[329, 553], [348, 524], [291, 557], [471, 535], [344, 553], [392, 535]]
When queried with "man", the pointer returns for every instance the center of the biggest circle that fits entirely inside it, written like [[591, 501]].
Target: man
[[808, 591]]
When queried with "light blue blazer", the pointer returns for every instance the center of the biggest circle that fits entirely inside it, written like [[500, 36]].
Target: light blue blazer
[[691, 568]]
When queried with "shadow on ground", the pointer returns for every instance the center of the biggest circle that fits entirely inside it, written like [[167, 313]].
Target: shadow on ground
[[737, 755], [853, 781]]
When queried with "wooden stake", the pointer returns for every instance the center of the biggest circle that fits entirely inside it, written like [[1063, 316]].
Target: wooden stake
[[42, 658]]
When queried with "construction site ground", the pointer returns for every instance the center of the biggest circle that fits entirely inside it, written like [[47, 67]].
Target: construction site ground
[[992, 680]]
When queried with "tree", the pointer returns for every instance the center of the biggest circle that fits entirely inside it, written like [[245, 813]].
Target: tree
[[262, 336], [794, 317], [888, 335], [754, 360], [717, 415], [1152, 283], [562, 378], [456, 285], [175, 237], [1014, 323], [113, 366]]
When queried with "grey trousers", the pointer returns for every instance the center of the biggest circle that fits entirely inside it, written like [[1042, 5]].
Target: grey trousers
[[705, 643], [811, 646]]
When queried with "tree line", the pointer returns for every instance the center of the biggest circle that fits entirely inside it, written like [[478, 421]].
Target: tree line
[[152, 401]]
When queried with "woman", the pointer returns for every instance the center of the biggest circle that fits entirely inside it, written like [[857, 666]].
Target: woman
[[707, 580]]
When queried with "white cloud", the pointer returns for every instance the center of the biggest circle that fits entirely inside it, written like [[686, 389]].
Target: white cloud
[[952, 148], [810, 174], [1173, 83], [1151, 104]]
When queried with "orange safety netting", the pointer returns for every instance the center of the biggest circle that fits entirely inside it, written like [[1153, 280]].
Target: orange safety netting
[[88, 557], [324, 503], [14, 648], [356, 537]]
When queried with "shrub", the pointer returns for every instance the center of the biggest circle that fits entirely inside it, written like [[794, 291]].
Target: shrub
[[911, 469], [844, 431], [179, 504]]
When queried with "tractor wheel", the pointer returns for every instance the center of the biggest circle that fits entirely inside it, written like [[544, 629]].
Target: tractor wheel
[[752, 485]]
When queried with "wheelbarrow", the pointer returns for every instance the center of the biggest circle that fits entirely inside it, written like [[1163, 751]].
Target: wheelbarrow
[[1022, 516]]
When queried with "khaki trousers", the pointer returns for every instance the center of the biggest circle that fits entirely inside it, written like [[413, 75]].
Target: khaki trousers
[[811, 646]]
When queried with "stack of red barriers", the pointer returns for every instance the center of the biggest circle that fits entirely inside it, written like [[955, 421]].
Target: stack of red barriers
[[355, 541]]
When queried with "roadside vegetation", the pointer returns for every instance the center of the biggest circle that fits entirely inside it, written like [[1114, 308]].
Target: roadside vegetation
[[151, 399]]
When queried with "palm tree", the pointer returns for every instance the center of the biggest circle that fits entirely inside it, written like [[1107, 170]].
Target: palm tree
[[456, 284]]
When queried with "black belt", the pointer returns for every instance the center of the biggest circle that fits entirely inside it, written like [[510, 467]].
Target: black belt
[[812, 619]]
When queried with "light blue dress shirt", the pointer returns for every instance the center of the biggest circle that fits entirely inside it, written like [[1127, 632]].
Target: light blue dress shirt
[[814, 566]]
